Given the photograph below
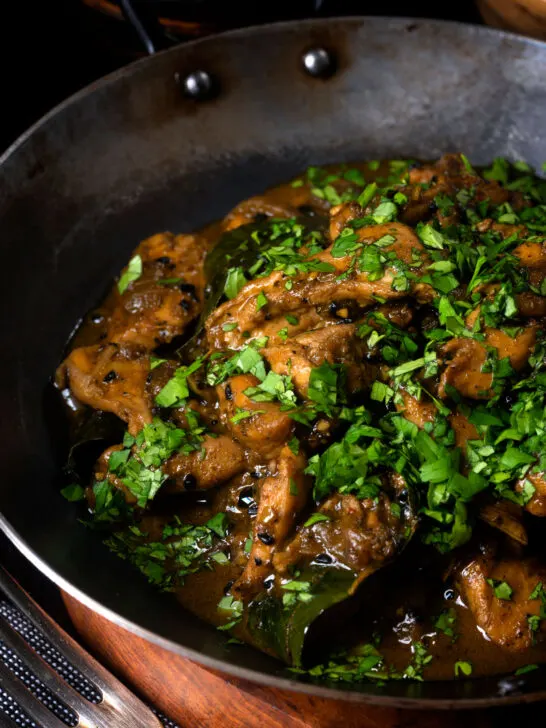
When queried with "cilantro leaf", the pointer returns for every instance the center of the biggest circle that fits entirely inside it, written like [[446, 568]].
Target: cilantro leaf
[[501, 589], [235, 280], [73, 492], [176, 391], [462, 667], [132, 273], [316, 518]]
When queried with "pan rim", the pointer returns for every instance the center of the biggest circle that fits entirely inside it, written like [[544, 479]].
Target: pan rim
[[237, 671], [266, 28], [255, 676]]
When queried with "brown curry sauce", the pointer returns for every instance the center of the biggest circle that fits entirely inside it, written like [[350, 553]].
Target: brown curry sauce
[[406, 599]]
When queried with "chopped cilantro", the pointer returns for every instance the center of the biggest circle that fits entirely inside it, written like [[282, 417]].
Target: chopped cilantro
[[446, 623], [501, 589], [73, 492], [243, 414], [176, 391], [132, 273], [316, 518], [169, 281], [525, 669], [140, 470], [294, 445], [233, 608], [419, 661], [155, 362], [219, 524], [385, 212], [247, 360], [431, 238], [181, 549], [235, 280], [261, 300], [462, 667], [293, 488], [274, 387], [326, 386], [367, 194]]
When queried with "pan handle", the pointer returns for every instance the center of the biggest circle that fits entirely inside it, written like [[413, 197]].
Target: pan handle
[[142, 16]]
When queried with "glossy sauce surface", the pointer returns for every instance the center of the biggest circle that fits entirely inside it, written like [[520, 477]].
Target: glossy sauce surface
[[420, 597]]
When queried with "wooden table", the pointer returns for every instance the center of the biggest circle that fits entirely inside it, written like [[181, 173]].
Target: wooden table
[[199, 698]]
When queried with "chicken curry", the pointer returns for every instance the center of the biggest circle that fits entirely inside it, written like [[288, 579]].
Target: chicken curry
[[330, 414]]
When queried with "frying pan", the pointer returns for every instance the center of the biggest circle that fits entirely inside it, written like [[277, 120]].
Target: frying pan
[[136, 153]]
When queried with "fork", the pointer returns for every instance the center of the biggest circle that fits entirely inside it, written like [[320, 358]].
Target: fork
[[118, 708]]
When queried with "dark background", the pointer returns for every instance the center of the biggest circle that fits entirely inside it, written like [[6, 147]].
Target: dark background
[[51, 48]]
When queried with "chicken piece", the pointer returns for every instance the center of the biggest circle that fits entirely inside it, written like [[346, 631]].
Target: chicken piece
[[342, 215], [166, 297], [419, 411], [271, 206], [504, 621], [398, 313], [282, 497], [450, 174], [359, 534], [275, 328], [219, 460], [537, 504], [406, 245], [464, 430], [110, 378], [506, 517], [102, 473], [422, 411], [464, 359], [265, 432], [532, 256], [530, 304], [318, 288], [504, 229], [334, 344], [447, 177]]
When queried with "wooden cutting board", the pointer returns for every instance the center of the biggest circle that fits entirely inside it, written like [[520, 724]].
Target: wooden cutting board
[[197, 697]]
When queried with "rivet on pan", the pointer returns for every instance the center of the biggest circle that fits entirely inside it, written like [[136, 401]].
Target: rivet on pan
[[197, 85], [318, 62]]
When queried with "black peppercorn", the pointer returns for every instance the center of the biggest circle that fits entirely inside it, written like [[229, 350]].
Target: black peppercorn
[[190, 482], [323, 559], [189, 288], [228, 392], [110, 377], [258, 561], [266, 538]]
